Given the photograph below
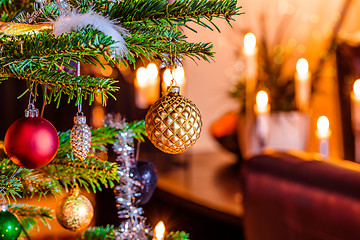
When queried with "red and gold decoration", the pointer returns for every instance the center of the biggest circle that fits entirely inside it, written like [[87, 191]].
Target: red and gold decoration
[[31, 141], [10, 228], [80, 138], [173, 123], [74, 212]]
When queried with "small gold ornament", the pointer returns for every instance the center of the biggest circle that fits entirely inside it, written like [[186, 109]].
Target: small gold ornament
[[80, 138], [173, 123], [74, 212], [14, 29]]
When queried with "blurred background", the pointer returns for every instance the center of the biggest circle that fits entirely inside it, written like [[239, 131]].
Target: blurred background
[[199, 190]]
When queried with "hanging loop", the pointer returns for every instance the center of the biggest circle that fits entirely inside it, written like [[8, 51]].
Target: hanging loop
[[79, 113]]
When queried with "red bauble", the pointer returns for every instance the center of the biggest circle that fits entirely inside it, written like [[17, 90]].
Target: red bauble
[[31, 142]]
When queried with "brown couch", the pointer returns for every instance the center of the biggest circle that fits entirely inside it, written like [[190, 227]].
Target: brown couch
[[293, 197]]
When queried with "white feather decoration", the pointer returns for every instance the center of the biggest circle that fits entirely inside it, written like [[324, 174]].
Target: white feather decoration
[[72, 21]]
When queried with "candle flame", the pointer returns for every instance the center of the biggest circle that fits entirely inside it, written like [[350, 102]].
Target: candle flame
[[323, 125], [262, 99], [152, 71], [179, 75], [167, 77], [302, 67], [249, 43], [357, 88], [159, 230], [142, 77]]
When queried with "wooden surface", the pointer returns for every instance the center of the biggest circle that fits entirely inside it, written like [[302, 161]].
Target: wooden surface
[[208, 183]]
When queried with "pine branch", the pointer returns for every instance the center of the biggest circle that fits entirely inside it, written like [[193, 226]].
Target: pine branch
[[31, 215], [44, 45], [91, 173], [177, 236], [9, 187], [100, 233], [10, 9], [152, 46], [25, 183], [108, 233], [179, 13], [34, 60], [65, 170]]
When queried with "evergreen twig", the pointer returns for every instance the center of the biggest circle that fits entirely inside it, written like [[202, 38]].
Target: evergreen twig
[[30, 215]]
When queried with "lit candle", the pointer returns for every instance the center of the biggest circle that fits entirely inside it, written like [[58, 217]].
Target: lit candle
[[302, 84], [355, 117], [262, 109], [178, 74], [146, 85], [323, 133], [141, 83], [250, 54], [153, 85], [250, 44], [159, 231]]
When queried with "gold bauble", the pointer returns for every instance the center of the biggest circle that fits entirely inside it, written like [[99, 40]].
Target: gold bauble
[[74, 212], [80, 138], [173, 123]]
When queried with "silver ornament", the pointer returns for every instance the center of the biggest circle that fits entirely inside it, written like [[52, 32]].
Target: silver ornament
[[80, 138]]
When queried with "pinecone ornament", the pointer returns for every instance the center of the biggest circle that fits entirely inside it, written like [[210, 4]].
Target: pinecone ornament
[[173, 123], [80, 138]]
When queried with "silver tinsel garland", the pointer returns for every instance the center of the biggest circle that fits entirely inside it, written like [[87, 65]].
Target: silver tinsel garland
[[133, 225]]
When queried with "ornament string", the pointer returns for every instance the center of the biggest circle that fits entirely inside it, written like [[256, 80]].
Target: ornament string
[[44, 101], [79, 113], [31, 100]]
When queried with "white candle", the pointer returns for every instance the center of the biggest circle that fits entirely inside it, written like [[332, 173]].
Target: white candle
[[141, 83], [152, 91], [323, 133], [355, 117], [262, 109], [355, 106], [250, 55], [147, 86], [302, 84], [159, 231], [178, 74]]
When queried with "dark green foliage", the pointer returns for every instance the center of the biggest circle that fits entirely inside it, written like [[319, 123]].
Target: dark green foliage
[[66, 170], [177, 236], [108, 233], [29, 216], [154, 32], [100, 233]]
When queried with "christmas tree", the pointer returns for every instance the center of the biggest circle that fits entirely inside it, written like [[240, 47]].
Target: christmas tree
[[39, 42]]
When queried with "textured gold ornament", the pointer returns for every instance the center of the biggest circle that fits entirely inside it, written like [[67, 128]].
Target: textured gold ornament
[[74, 212], [80, 138], [14, 29], [173, 123]]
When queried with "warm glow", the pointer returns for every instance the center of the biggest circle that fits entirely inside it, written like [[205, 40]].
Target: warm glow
[[107, 71], [152, 71], [323, 125], [159, 231], [142, 77], [168, 77], [357, 89], [249, 43], [179, 75], [302, 67], [262, 99]]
